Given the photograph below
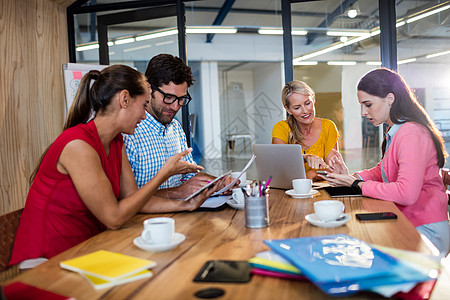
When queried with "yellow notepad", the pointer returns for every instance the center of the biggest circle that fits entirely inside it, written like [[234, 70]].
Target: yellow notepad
[[274, 265], [107, 265], [99, 283]]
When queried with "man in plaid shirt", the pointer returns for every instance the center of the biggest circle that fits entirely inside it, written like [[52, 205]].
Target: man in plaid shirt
[[160, 135]]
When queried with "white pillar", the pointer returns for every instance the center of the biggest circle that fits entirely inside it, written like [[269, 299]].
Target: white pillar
[[209, 119]]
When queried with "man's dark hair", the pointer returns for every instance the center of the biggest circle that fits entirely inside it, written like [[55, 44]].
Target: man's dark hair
[[166, 68]]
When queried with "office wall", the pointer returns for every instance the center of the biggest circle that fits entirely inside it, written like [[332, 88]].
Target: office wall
[[33, 47]]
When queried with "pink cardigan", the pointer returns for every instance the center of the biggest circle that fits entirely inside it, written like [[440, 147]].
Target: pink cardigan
[[415, 184]]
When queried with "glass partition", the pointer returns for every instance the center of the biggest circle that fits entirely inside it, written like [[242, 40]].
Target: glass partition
[[424, 57], [340, 44], [236, 54], [239, 73]]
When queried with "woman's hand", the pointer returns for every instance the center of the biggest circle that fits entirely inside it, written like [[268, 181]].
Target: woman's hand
[[198, 200], [335, 179], [336, 163], [174, 165], [315, 162]]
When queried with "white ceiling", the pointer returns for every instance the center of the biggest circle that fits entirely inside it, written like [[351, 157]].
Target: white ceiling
[[420, 38]]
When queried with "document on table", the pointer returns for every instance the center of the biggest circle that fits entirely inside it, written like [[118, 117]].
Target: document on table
[[236, 179], [320, 184], [213, 202]]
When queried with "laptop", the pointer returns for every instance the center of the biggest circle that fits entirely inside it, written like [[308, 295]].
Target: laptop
[[282, 162]]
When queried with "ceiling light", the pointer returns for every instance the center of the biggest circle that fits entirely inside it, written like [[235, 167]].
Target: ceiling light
[[279, 31], [348, 33], [373, 63], [211, 29], [124, 41], [399, 24], [343, 39], [405, 61], [299, 32], [110, 43], [88, 47], [356, 39], [305, 63], [341, 63], [270, 31], [157, 34], [352, 13], [438, 54], [427, 14], [375, 32], [317, 53]]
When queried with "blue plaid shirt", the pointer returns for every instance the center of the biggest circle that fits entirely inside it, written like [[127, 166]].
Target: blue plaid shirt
[[151, 145]]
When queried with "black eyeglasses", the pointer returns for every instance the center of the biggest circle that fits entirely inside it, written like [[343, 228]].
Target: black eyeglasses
[[169, 98]]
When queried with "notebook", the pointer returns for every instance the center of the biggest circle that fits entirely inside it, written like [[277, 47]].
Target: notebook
[[98, 283], [107, 265], [282, 162]]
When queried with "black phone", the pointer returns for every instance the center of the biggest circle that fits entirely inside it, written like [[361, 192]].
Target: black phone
[[224, 271], [322, 172], [376, 216]]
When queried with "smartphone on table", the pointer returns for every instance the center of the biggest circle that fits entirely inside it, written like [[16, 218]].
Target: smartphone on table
[[376, 216]]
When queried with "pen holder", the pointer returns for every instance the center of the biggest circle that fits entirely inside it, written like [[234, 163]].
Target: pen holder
[[256, 211]]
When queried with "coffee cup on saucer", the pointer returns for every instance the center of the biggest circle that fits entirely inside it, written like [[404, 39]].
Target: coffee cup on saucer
[[238, 195], [158, 231], [302, 186], [328, 210]]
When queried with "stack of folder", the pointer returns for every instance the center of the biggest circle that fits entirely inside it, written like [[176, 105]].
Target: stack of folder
[[341, 265], [104, 269]]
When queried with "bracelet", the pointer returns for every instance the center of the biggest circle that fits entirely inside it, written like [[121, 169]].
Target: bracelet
[[355, 185]]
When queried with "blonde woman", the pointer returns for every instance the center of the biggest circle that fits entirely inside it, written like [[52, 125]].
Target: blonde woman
[[318, 137]]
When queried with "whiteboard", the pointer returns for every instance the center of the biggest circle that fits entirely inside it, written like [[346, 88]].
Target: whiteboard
[[72, 74]]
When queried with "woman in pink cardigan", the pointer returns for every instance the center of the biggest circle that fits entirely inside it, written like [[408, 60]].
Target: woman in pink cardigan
[[413, 153]]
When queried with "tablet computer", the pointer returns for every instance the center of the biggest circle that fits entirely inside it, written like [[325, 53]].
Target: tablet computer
[[342, 191], [208, 185]]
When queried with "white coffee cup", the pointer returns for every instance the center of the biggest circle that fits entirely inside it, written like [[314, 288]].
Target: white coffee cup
[[238, 195], [328, 210], [158, 230], [302, 186], [243, 177]]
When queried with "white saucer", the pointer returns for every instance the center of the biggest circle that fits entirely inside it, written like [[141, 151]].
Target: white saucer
[[176, 240], [245, 183], [294, 195], [235, 205], [313, 219]]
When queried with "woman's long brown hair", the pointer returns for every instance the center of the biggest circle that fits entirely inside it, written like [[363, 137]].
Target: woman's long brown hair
[[405, 108], [94, 97]]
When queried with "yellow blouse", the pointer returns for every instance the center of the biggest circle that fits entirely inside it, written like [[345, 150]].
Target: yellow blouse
[[329, 136]]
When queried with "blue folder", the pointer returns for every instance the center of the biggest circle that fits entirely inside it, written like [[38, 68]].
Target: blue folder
[[343, 265]]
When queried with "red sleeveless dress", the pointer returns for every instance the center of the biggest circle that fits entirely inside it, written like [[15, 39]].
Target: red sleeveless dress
[[55, 218]]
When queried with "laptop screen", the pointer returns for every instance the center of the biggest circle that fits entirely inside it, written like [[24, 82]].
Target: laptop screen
[[282, 162]]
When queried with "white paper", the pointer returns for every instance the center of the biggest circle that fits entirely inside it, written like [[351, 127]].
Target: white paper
[[320, 184], [213, 202], [236, 179]]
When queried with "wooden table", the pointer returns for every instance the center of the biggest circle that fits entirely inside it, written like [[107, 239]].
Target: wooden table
[[223, 235]]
